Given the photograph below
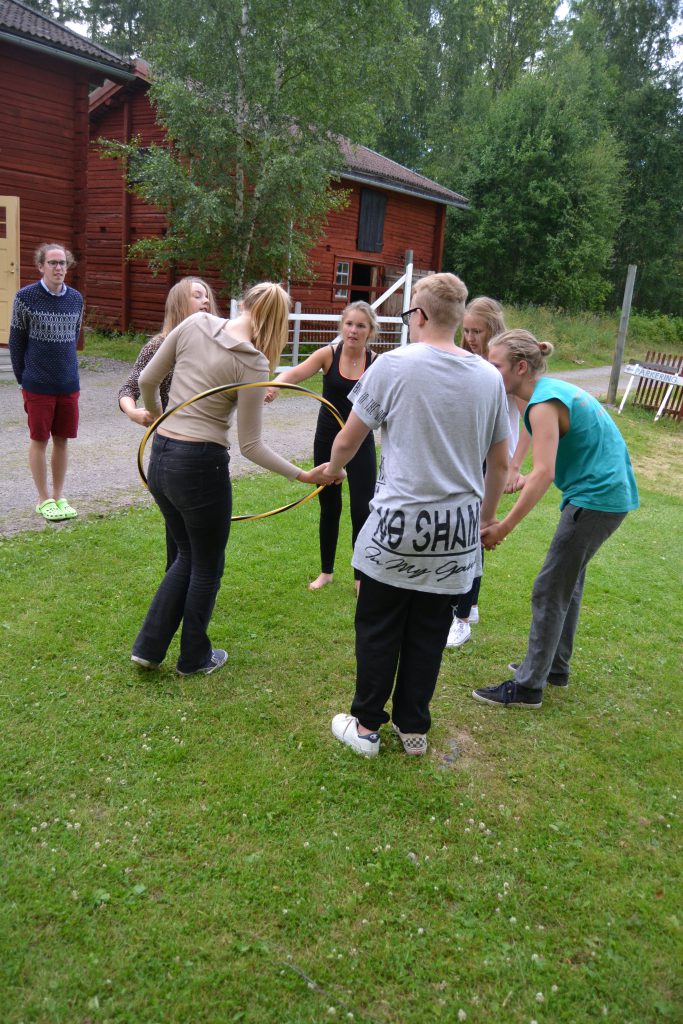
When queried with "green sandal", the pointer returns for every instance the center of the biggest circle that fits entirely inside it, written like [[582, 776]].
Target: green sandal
[[50, 510], [68, 512]]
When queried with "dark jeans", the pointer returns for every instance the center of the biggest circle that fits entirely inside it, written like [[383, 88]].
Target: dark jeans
[[557, 593], [466, 602], [400, 637], [190, 481], [361, 473]]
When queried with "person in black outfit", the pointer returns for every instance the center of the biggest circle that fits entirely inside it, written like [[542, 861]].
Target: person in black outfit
[[342, 364]]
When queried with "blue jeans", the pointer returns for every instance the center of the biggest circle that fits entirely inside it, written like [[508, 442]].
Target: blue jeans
[[190, 482]]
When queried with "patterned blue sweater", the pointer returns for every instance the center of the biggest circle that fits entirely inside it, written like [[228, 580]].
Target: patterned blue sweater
[[42, 339]]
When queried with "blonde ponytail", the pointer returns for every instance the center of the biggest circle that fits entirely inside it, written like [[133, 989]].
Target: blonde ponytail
[[268, 307]]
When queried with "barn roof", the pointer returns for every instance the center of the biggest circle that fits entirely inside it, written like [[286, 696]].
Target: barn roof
[[364, 165], [361, 164], [22, 25]]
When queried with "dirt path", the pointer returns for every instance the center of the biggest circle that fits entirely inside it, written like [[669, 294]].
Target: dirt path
[[103, 472]]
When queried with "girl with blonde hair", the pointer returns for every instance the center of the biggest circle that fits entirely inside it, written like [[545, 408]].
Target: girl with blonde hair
[[342, 365], [189, 473], [188, 296]]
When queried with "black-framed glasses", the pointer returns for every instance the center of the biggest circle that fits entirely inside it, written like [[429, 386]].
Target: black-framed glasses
[[405, 317], [56, 263]]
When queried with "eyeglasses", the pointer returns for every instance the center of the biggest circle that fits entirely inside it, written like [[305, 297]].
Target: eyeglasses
[[56, 263], [405, 317]]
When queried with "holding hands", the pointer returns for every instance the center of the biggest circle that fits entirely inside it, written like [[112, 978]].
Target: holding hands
[[515, 481], [493, 534], [320, 475]]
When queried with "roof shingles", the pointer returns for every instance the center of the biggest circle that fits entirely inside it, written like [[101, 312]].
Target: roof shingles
[[19, 20]]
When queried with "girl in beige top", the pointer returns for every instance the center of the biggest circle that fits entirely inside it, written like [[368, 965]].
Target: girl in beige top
[[188, 472]]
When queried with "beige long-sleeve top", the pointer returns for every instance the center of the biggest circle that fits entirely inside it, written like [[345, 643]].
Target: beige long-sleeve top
[[202, 355]]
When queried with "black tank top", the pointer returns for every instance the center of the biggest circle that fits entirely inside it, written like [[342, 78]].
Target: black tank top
[[336, 389]]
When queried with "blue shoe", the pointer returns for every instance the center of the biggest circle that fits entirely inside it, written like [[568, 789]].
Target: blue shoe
[[218, 660]]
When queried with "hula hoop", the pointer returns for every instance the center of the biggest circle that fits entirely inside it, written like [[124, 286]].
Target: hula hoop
[[223, 389]]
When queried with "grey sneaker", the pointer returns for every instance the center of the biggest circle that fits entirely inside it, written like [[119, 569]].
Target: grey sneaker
[[218, 660], [414, 743], [553, 680], [345, 729], [143, 663], [509, 695]]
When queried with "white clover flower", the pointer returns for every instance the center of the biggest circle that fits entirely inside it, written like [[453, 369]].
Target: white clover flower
[[462, 1015], [540, 998]]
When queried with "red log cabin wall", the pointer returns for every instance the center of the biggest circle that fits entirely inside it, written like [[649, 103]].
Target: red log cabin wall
[[409, 223], [44, 112], [123, 294]]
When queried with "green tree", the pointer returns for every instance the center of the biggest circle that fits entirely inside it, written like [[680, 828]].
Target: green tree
[[543, 174], [124, 26], [253, 96], [644, 103]]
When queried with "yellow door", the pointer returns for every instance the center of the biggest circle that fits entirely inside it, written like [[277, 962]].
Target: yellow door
[[9, 261]]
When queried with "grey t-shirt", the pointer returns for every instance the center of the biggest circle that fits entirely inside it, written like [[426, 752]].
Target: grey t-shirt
[[439, 413]]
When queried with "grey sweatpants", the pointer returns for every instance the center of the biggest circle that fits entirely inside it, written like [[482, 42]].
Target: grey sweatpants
[[557, 592]]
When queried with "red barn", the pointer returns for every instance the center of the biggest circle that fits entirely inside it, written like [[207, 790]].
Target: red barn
[[46, 72], [391, 209]]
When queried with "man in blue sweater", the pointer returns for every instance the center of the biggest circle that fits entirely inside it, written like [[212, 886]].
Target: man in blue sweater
[[46, 323]]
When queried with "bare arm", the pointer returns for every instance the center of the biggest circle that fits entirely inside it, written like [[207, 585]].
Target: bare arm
[[545, 420], [346, 444], [321, 359], [494, 481], [516, 479]]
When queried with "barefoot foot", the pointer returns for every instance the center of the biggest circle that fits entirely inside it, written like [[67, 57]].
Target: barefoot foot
[[323, 579]]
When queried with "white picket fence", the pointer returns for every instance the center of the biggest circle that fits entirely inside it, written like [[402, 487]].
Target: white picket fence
[[300, 337]]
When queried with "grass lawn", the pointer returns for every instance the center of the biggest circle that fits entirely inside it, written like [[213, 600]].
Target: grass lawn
[[178, 851]]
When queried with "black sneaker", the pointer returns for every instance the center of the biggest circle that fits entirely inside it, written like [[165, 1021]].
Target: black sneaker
[[509, 694], [553, 680], [218, 660]]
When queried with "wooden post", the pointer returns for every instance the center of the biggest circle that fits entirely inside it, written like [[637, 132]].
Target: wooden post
[[621, 335], [407, 289]]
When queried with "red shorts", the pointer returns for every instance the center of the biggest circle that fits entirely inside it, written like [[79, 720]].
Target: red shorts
[[51, 414]]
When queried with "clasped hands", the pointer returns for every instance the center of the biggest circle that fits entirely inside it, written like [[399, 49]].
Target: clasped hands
[[492, 534], [319, 475]]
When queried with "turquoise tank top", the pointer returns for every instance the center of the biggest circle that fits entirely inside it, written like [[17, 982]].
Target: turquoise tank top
[[592, 468]]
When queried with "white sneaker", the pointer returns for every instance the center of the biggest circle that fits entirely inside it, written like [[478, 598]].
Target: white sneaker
[[459, 633], [474, 615], [143, 662], [345, 728], [414, 743]]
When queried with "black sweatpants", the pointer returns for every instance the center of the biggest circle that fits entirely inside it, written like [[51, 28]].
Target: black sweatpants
[[400, 638]]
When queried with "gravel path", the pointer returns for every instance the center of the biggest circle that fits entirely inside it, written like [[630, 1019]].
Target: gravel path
[[103, 472]]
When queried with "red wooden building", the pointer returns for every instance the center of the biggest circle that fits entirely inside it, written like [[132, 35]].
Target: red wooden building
[[391, 209], [46, 72]]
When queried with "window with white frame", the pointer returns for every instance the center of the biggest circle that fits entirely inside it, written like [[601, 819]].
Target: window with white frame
[[341, 279]]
